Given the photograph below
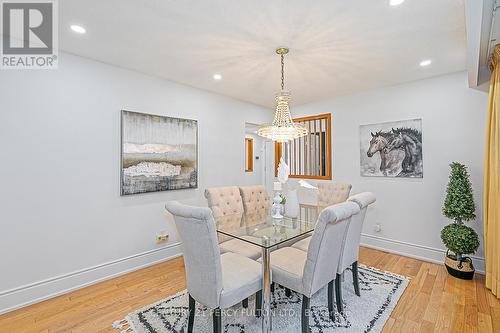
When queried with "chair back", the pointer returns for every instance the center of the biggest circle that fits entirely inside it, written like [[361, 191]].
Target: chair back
[[332, 193], [255, 198], [200, 250], [224, 200], [350, 252], [326, 244]]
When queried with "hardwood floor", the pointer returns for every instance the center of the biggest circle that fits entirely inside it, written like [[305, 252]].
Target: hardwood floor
[[433, 302]]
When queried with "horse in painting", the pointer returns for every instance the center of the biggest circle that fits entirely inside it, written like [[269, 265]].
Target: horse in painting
[[410, 141], [389, 161]]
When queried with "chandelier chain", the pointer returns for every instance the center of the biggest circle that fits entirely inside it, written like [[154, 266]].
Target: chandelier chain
[[282, 72]]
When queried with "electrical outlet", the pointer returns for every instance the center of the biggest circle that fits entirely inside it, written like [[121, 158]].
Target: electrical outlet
[[378, 227], [162, 237]]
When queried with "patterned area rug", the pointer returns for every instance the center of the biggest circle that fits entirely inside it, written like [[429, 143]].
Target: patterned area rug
[[380, 292]]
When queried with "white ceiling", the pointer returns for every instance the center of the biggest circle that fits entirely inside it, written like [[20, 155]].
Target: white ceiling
[[336, 46]]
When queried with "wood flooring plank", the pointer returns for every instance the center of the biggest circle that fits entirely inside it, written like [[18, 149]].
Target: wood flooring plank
[[426, 327], [484, 323], [495, 318]]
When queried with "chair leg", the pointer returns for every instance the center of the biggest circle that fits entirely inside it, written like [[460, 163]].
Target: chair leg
[[192, 310], [331, 310], [217, 321], [288, 292], [305, 314], [244, 303], [355, 278], [338, 293], [258, 303]]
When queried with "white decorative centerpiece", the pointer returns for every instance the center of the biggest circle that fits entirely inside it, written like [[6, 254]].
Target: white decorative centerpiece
[[283, 171], [292, 201], [277, 201]]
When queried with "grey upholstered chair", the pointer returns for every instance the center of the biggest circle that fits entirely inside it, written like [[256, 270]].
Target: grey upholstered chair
[[227, 207], [332, 193], [308, 272], [350, 253], [217, 281]]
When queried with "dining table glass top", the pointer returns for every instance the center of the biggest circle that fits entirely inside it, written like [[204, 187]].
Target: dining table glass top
[[261, 229]]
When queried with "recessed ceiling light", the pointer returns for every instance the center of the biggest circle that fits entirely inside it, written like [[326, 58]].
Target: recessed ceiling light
[[78, 29], [217, 77], [396, 2], [424, 63]]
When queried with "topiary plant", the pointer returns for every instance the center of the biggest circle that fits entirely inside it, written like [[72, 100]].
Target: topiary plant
[[460, 239], [459, 202], [459, 206]]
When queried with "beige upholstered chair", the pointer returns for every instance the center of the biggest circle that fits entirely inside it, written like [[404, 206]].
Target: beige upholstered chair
[[350, 251], [227, 208], [307, 272], [217, 281], [328, 194], [224, 200], [255, 198], [256, 205], [332, 193]]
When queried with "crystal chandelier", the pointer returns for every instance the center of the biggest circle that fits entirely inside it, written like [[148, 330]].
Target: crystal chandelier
[[283, 128]]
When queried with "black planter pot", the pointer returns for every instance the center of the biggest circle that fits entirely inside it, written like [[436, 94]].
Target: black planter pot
[[462, 269]]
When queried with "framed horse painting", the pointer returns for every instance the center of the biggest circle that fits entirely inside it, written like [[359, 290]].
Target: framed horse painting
[[391, 149]]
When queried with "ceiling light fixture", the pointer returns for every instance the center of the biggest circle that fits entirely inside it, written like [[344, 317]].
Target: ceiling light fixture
[[424, 63], [283, 128], [78, 29], [396, 2], [217, 77]]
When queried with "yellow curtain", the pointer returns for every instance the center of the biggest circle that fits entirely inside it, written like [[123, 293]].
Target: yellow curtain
[[491, 197]]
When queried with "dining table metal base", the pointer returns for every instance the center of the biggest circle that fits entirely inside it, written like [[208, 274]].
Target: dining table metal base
[[266, 291]]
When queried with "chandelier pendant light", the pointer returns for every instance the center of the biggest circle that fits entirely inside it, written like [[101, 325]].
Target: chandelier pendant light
[[283, 129]]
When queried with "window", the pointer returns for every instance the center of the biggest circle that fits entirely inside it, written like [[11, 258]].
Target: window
[[248, 154], [309, 156]]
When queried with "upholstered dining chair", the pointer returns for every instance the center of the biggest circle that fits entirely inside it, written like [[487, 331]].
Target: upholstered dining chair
[[214, 280], [255, 198], [328, 194], [350, 252], [308, 272], [227, 207], [224, 200], [332, 193]]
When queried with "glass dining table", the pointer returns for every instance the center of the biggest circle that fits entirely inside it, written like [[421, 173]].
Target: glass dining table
[[261, 229]]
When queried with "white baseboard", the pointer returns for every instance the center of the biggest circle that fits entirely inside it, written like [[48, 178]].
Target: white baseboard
[[32, 293], [421, 252]]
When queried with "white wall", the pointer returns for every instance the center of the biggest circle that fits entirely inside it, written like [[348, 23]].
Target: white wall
[[63, 222], [453, 126]]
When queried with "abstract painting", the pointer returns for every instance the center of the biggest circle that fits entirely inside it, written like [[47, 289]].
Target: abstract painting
[[392, 149], [158, 153]]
